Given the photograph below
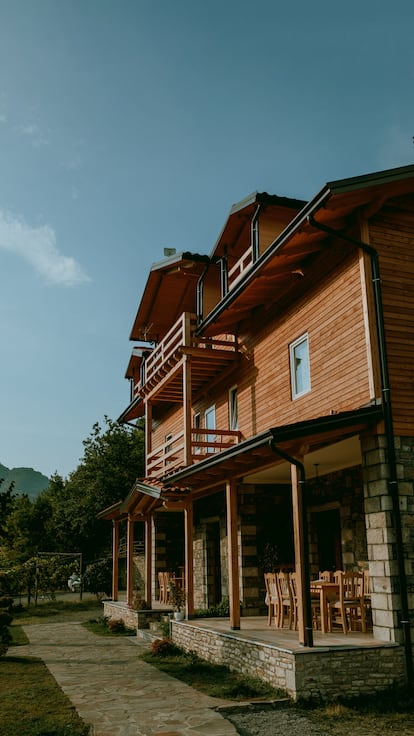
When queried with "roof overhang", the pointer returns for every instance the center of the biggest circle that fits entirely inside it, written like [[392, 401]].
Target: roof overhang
[[170, 290], [112, 512], [134, 410], [290, 263], [243, 211]]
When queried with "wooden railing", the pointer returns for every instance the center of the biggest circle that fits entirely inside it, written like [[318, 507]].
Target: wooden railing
[[167, 457], [171, 456], [240, 267], [181, 334]]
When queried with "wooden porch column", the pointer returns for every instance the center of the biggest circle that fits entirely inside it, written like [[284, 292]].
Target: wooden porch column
[[115, 558], [148, 560], [130, 559], [148, 432], [300, 532], [187, 410], [189, 561], [234, 588]]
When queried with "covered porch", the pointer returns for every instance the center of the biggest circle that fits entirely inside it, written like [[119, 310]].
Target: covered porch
[[303, 661], [335, 666]]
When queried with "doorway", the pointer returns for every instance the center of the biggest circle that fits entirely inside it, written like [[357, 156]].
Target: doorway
[[327, 525], [213, 564]]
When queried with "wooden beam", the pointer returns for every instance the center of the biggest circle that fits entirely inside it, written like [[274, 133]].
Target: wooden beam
[[115, 558], [148, 431], [148, 560], [187, 409], [189, 560], [130, 560], [300, 561], [232, 541]]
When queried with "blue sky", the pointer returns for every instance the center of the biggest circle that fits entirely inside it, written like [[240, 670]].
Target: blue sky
[[130, 126]]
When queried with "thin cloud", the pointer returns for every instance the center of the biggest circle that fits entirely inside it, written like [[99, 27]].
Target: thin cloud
[[37, 246], [34, 133]]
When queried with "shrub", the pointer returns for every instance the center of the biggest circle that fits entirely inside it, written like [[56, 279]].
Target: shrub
[[6, 602], [98, 578], [5, 635], [164, 647], [117, 626]]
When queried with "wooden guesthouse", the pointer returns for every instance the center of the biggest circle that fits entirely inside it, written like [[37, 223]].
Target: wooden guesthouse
[[275, 377]]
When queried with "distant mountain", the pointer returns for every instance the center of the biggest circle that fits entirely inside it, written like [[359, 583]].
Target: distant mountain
[[26, 480]]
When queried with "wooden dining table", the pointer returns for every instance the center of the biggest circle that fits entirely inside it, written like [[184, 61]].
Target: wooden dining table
[[327, 592]]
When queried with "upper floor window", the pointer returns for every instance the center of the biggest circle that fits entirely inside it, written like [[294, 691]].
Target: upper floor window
[[233, 409], [197, 437], [299, 366], [210, 423]]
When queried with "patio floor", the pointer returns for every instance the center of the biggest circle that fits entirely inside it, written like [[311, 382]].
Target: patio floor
[[256, 629]]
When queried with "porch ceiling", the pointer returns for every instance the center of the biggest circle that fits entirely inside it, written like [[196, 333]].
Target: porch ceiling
[[316, 440], [207, 367]]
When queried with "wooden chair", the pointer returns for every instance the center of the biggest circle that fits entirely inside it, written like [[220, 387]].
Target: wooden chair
[[286, 602], [349, 608], [272, 597], [294, 598], [326, 575], [161, 585]]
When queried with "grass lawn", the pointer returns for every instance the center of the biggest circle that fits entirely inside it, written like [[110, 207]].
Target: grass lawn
[[31, 702], [212, 679]]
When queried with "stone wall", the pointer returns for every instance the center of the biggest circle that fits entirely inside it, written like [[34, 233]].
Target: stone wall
[[381, 536], [328, 673], [119, 611]]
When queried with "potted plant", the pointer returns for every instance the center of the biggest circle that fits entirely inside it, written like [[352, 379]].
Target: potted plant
[[177, 598]]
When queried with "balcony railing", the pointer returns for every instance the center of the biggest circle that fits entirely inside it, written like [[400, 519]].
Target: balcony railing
[[172, 456], [181, 335], [240, 267]]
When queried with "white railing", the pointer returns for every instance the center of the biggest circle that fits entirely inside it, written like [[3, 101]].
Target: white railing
[[240, 267]]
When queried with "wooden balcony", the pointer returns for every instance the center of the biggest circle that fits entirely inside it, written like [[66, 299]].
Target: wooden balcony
[[172, 455], [161, 376]]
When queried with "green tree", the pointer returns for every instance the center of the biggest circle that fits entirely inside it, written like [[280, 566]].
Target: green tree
[[7, 498], [113, 459], [63, 518]]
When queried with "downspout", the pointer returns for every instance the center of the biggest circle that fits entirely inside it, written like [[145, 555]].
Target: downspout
[[254, 234], [308, 634], [199, 295], [389, 431]]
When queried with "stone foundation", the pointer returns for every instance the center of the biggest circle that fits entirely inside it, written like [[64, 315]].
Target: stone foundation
[[119, 611], [306, 674]]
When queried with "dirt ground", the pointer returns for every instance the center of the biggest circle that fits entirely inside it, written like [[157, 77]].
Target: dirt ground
[[336, 721]]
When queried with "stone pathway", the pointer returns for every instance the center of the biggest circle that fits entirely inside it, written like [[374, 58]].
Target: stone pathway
[[115, 691]]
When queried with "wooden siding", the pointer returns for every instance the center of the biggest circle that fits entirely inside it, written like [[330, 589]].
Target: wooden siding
[[392, 234], [333, 317], [271, 223]]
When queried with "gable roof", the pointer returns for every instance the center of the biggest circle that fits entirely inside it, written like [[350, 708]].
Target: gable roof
[[289, 259]]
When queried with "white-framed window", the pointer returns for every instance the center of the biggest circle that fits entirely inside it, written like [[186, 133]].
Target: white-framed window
[[233, 409], [210, 423], [299, 366]]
